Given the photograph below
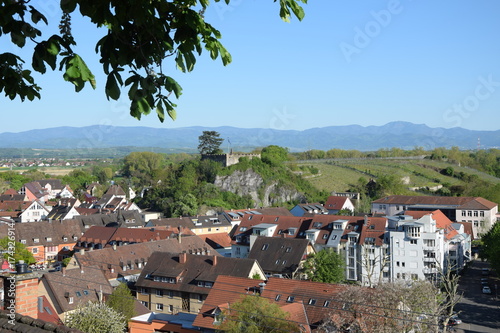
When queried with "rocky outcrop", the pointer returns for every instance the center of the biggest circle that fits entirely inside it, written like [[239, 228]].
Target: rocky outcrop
[[251, 183]]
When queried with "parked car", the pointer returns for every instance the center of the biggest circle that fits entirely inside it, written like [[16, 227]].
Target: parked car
[[486, 290], [454, 320]]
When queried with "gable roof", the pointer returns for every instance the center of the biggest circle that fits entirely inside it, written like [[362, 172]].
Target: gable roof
[[226, 290], [111, 261], [54, 183], [176, 222], [279, 255], [188, 269], [456, 202], [30, 325], [373, 231], [80, 285], [318, 298], [217, 240], [106, 235], [116, 190], [48, 233], [335, 202]]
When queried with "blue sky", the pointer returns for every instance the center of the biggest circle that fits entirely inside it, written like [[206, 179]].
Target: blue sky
[[347, 62]]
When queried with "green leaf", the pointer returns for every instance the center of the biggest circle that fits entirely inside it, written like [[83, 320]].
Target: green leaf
[[112, 88], [36, 16], [172, 85], [160, 112], [78, 73]]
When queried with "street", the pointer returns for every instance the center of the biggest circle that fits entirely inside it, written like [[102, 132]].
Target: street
[[479, 312]]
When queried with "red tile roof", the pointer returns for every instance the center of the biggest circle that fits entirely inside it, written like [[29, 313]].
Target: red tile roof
[[335, 202]]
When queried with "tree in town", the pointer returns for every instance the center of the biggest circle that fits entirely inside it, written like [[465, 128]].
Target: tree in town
[[122, 301], [96, 317], [325, 266], [143, 166], [255, 314], [491, 246], [16, 250], [137, 38], [209, 143]]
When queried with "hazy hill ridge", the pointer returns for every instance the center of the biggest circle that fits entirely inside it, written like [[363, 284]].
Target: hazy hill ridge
[[395, 134]]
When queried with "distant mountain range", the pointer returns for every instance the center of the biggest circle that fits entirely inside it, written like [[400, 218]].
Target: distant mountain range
[[399, 134]]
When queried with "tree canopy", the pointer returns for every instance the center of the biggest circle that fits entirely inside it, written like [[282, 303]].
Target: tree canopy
[[325, 266], [210, 142], [20, 252], [491, 246], [96, 318], [138, 37], [122, 301], [255, 314]]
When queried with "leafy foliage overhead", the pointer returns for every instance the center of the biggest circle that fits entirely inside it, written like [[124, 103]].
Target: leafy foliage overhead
[[139, 37]]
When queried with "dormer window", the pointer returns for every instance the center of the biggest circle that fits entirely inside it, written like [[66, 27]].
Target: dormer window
[[317, 225], [325, 236], [288, 249], [65, 239], [23, 241], [265, 247], [242, 229], [311, 301], [290, 299], [49, 239], [35, 240], [291, 231], [200, 283], [277, 298]]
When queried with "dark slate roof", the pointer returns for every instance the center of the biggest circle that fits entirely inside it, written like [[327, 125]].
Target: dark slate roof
[[207, 221], [196, 268], [82, 285], [121, 218], [116, 190], [278, 255], [56, 184], [175, 222], [48, 233], [25, 324]]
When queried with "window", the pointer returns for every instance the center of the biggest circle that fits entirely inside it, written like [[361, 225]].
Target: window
[[159, 307], [397, 263], [208, 284], [469, 213], [85, 292], [243, 229], [291, 231], [170, 308], [265, 247], [277, 262], [288, 249], [70, 301], [159, 292], [326, 304], [413, 232], [78, 294], [49, 239], [403, 264], [481, 213], [143, 291], [200, 283], [170, 294], [325, 236], [464, 213], [34, 250], [35, 240], [370, 250], [476, 223], [290, 299], [317, 225], [476, 213], [338, 226], [277, 298], [413, 241], [163, 278], [157, 278], [23, 241], [200, 298], [284, 262], [311, 301], [65, 239]]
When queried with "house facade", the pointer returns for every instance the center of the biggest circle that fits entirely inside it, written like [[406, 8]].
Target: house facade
[[180, 282]]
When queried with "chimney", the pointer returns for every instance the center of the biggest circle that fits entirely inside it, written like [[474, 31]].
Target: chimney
[[114, 247], [82, 252], [63, 270], [366, 220], [214, 260], [182, 258]]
